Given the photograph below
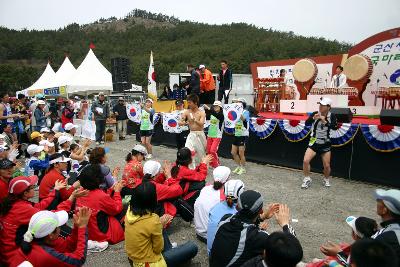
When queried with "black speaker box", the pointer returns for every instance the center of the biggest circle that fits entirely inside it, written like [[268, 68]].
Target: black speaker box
[[343, 115], [390, 117]]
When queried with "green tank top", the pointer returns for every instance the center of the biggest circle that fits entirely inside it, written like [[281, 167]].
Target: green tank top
[[213, 129], [145, 124]]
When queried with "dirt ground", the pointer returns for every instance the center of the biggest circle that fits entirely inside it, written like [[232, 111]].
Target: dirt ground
[[321, 212]]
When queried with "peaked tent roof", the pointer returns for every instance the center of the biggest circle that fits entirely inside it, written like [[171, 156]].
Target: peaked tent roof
[[44, 80], [64, 74], [90, 76]]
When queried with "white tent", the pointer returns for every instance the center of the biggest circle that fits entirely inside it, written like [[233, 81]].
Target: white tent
[[64, 74], [90, 77], [44, 80]]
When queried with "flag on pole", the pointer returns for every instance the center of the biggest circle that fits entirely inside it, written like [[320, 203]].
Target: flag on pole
[[134, 112], [151, 78]]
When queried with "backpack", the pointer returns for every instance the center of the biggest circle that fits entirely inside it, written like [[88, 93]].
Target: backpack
[[184, 209]]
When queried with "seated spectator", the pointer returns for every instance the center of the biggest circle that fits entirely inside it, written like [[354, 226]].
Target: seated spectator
[[106, 221], [146, 244], [232, 190], [209, 196], [242, 236], [167, 191], [58, 165], [34, 165], [388, 208], [6, 172], [36, 137], [280, 250], [178, 93], [191, 181], [133, 170], [166, 94], [362, 227], [43, 246], [98, 156], [372, 253], [16, 210], [70, 129], [45, 133]]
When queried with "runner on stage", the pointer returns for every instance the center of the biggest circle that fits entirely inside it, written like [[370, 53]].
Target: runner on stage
[[322, 122], [195, 119]]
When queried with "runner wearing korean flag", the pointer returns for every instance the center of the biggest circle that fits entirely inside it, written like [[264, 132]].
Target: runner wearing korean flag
[[240, 139], [146, 126], [215, 131]]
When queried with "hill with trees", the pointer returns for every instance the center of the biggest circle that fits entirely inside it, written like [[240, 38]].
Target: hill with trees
[[175, 43]]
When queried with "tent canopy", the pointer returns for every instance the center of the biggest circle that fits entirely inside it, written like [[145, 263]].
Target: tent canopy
[[64, 74], [44, 80], [90, 77]]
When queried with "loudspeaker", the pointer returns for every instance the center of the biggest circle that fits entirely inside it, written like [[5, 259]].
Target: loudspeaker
[[390, 117], [343, 115], [121, 74]]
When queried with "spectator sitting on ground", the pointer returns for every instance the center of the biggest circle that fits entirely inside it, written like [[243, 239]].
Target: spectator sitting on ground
[[192, 181], [43, 246], [242, 236], [209, 196], [232, 190], [106, 222], [372, 253], [388, 208], [133, 170], [362, 227], [280, 250]]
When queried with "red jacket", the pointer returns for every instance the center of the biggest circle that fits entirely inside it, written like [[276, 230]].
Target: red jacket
[[18, 217], [64, 252], [104, 227], [67, 116], [3, 189], [48, 182], [133, 173]]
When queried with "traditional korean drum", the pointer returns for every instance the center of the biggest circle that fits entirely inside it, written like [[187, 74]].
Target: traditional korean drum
[[358, 67], [305, 70]]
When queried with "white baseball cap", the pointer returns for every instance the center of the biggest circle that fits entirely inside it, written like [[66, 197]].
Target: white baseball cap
[[202, 66], [64, 138], [69, 126], [60, 159], [241, 100], [233, 188], [140, 149], [391, 199], [217, 103], [151, 167], [41, 102], [150, 100], [325, 101], [32, 149], [44, 223], [46, 143], [45, 130], [221, 174]]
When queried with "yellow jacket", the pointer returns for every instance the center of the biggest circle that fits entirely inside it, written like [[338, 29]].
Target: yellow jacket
[[143, 238]]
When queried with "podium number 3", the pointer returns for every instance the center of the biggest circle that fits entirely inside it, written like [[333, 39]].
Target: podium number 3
[[292, 103]]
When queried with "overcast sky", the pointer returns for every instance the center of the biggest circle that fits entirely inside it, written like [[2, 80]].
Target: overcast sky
[[344, 20]]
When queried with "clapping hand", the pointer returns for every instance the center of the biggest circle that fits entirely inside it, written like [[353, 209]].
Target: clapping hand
[[283, 215], [60, 184]]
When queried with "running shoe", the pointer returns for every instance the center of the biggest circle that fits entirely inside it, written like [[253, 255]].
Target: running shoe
[[94, 246], [327, 183], [306, 182]]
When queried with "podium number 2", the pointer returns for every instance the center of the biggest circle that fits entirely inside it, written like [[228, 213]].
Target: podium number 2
[[354, 111], [292, 103]]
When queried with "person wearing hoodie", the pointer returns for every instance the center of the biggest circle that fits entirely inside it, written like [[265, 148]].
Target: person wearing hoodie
[[146, 244]]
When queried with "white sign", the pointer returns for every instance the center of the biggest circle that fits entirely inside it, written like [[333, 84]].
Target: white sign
[[338, 101], [293, 106]]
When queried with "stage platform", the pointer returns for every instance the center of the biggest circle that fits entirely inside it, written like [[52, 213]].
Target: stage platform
[[287, 116]]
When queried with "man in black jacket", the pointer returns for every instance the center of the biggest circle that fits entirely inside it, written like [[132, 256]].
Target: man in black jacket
[[388, 208], [193, 86], [242, 236], [121, 117], [225, 82]]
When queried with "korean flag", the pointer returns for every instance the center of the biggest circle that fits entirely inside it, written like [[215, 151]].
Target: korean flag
[[232, 113], [170, 123], [134, 112]]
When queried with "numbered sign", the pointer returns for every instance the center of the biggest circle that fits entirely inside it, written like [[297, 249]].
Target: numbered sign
[[338, 101], [293, 106], [365, 110]]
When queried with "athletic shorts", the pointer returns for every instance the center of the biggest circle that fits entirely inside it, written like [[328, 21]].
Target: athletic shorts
[[146, 133], [321, 148], [240, 140]]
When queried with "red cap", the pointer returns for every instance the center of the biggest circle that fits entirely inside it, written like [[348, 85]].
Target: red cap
[[21, 183]]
